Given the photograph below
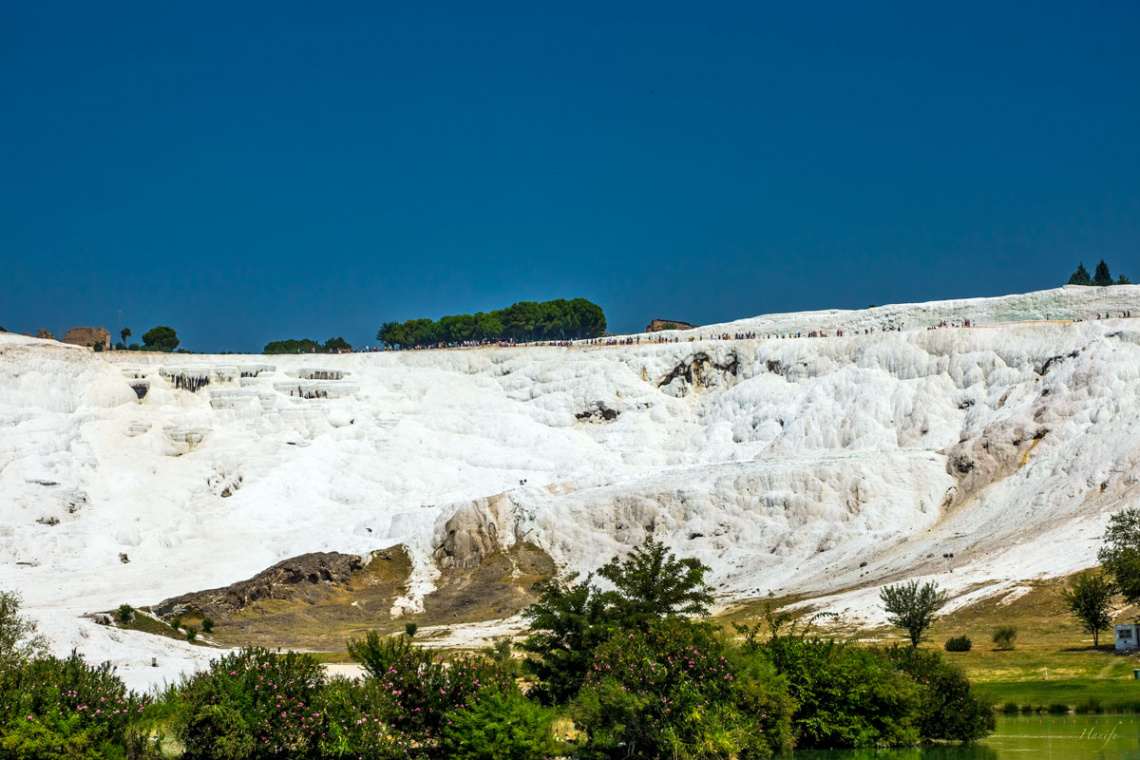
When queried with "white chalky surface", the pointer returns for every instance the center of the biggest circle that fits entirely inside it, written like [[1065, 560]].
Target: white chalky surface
[[819, 455]]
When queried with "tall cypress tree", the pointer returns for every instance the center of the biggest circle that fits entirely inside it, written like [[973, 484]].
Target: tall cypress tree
[[1101, 278], [1081, 276]]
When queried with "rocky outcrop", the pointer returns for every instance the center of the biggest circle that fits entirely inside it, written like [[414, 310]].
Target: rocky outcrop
[[88, 336], [295, 577], [44, 335], [1000, 451], [700, 372], [470, 535]]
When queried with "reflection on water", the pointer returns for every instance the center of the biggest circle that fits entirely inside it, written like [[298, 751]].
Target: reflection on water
[[968, 752], [955, 752], [1044, 737]]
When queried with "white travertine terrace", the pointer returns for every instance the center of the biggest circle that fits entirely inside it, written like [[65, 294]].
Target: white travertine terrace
[[823, 466]]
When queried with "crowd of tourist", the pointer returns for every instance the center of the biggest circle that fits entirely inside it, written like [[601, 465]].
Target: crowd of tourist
[[671, 337]]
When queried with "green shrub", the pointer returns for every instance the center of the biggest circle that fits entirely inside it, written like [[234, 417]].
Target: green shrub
[[207, 625], [1004, 636], [176, 624], [358, 721], [948, 711], [959, 644], [126, 613], [1058, 709], [1009, 708], [848, 696], [49, 740], [679, 691], [66, 707], [1028, 709], [501, 727], [191, 633], [410, 629], [420, 690], [251, 704]]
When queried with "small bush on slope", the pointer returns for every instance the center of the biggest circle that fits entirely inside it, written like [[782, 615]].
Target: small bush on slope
[[959, 644]]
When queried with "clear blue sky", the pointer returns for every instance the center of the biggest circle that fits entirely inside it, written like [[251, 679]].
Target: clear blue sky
[[253, 171]]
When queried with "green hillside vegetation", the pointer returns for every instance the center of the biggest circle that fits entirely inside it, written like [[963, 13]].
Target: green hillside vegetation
[[1101, 278], [560, 319], [306, 346]]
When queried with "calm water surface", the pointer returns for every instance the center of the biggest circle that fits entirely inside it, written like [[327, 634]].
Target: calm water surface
[[1095, 737]]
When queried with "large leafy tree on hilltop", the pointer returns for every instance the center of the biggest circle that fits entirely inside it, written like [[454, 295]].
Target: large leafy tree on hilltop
[[161, 338], [558, 319]]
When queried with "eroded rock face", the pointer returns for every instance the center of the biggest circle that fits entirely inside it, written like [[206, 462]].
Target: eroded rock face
[[471, 534], [700, 372], [290, 578], [88, 336], [45, 335], [996, 454]]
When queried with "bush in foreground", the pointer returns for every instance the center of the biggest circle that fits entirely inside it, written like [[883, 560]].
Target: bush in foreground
[[676, 691], [948, 710], [251, 704], [501, 727], [63, 707]]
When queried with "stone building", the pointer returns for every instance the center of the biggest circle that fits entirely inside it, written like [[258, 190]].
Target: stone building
[[88, 336], [658, 325]]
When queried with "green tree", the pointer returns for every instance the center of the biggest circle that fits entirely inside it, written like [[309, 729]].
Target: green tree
[[337, 344], [1120, 555], [912, 607], [651, 583], [558, 319], [1123, 280], [18, 637], [1090, 601], [291, 346], [567, 624], [125, 333], [845, 695], [1081, 276], [161, 338], [1101, 277]]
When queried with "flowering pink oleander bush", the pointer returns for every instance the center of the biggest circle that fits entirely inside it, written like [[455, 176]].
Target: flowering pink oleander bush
[[252, 704], [53, 707], [418, 689]]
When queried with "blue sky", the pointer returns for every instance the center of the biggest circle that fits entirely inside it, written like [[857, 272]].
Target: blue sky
[[246, 172]]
